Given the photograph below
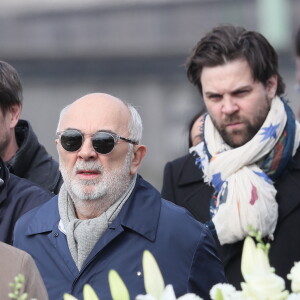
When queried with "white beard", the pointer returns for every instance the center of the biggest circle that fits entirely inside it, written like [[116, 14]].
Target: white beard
[[99, 193]]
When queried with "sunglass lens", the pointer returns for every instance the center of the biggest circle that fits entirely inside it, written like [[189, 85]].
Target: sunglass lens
[[71, 140], [103, 142]]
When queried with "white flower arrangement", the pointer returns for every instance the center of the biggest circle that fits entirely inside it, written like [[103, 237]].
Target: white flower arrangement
[[261, 282], [153, 281]]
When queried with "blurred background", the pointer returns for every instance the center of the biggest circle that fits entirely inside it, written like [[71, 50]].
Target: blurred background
[[134, 50]]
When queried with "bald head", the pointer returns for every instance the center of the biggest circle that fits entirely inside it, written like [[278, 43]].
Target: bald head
[[90, 108]]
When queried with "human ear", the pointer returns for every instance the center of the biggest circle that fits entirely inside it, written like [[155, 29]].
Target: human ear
[[272, 86], [139, 151], [15, 112]]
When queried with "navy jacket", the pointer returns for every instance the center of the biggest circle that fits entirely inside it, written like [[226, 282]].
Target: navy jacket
[[17, 196], [33, 162], [183, 248]]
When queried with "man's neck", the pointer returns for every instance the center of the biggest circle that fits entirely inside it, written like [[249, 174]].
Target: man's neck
[[11, 150], [91, 209]]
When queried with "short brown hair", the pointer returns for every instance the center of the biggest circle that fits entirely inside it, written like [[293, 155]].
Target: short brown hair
[[10, 87], [227, 43]]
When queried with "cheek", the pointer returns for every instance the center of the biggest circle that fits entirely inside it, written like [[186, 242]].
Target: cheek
[[67, 160], [215, 112], [109, 162]]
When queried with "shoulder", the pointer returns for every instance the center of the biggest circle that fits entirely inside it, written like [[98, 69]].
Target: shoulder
[[180, 161], [41, 216], [13, 257], [180, 217], [179, 225], [24, 188]]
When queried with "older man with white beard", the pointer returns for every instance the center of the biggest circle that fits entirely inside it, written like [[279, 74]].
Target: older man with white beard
[[106, 215]]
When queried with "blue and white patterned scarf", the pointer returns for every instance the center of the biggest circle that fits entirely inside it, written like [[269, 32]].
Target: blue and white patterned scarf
[[243, 177]]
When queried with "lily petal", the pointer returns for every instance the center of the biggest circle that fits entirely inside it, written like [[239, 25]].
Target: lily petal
[[89, 293], [153, 280], [118, 289], [69, 297], [247, 264], [168, 293]]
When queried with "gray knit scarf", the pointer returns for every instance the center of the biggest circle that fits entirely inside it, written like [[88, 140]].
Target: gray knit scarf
[[82, 235]]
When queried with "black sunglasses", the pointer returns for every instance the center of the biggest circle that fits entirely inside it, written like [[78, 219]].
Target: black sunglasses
[[102, 141]]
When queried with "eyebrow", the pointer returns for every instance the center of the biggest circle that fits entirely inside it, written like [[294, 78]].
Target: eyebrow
[[211, 94], [105, 130], [246, 87]]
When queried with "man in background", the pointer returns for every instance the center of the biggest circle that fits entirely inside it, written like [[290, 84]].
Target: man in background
[[249, 157], [19, 146]]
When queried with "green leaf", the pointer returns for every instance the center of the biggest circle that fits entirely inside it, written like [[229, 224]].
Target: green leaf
[[153, 280], [118, 289], [24, 296]]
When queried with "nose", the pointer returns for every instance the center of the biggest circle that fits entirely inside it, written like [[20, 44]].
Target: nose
[[229, 106], [87, 151]]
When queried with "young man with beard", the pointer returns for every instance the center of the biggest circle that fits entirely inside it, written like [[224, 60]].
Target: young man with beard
[[249, 159], [106, 215]]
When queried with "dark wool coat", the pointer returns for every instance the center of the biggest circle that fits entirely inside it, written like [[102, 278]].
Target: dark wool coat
[[183, 184], [17, 196]]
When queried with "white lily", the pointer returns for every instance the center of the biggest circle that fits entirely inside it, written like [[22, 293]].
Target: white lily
[[254, 259], [153, 280], [118, 289], [88, 294], [260, 280], [154, 283], [168, 294], [295, 277], [225, 291], [293, 296]]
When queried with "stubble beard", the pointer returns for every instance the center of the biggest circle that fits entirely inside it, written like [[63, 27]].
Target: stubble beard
[[237, 138]]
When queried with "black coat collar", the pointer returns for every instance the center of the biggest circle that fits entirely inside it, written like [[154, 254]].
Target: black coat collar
[[189, 172]]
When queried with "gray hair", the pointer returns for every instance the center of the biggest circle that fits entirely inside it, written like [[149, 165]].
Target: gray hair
[[62, 113], [135, 126]]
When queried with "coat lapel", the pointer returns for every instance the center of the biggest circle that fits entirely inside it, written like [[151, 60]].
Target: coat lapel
[[190, 173]]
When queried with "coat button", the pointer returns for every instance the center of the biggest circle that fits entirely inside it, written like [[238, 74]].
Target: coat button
[[56, 234]]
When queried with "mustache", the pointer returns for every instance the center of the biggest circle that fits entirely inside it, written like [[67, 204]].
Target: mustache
[[233, 119], [88, 165]]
